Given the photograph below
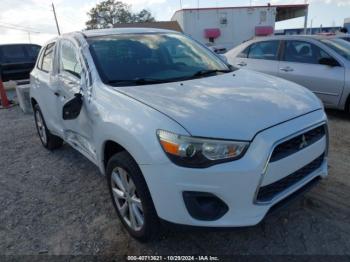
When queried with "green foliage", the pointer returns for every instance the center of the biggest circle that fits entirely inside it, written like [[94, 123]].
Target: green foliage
[[110, 12]]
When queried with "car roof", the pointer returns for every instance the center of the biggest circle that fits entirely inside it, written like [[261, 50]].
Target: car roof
[[111, 31], [120, 31], [305, 37], [22, 44]]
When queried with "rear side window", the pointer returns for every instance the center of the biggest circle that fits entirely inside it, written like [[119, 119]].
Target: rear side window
[[244, 53], [303, 52], [13, 54], [267, 50], [45, 62]]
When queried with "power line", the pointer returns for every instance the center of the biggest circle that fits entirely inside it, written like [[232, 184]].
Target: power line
[[18, 28], [27, 7], [16, 25], [24, 28]]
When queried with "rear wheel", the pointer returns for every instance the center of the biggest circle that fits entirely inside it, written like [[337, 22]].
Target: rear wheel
[[131, 197], [48, 140], [347, 105]]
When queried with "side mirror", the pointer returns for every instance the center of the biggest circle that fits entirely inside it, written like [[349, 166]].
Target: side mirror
[[328, 61], [72, 108], [232, 68]]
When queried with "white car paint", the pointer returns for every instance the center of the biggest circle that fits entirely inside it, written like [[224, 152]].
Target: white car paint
[[330, 84], [217, 97], [241, 105]]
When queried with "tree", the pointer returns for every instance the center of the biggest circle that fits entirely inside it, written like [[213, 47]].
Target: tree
[[143, 16], [110, 12]]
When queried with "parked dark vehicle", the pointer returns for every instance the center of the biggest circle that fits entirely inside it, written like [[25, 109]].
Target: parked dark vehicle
[[345, 37], [17, 60]]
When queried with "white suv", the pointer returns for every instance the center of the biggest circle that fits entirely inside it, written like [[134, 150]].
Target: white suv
[[180, 136]]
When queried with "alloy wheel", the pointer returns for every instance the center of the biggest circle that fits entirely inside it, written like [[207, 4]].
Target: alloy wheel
[[127, 199], [41, 127]]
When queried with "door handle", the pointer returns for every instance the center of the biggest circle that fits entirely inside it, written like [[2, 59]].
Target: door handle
[[57, 94], [287, 69], [242, 64]]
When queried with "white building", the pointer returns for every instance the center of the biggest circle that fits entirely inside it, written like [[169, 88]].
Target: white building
[[230, 26]]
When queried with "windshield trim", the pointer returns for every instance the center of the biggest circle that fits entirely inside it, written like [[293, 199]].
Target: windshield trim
[[330, 43], [104, 78]]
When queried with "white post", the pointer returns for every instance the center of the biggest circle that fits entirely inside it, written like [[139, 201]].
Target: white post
[[305, 19], [311, 26]]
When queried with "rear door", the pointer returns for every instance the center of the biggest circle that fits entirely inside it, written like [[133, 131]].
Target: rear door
[[260, 56], [300, 64], [43, 81]]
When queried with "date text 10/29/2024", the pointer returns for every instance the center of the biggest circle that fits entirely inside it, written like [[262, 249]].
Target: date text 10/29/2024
[[172, 258]]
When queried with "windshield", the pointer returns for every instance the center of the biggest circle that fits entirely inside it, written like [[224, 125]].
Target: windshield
[[136, 59], [340, 46]]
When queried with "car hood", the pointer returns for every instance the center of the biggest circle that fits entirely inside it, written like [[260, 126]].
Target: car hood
[[235, 105]]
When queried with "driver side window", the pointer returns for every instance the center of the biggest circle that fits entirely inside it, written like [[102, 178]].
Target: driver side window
[[69, 59]]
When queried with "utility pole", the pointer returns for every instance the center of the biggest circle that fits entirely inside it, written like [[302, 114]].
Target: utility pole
[[311, 26], [30, 41], [54, 13], [305, 19]]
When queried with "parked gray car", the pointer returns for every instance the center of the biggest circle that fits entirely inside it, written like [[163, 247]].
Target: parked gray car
[[320, 63]]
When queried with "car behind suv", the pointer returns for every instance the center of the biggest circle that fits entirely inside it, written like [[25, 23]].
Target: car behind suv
[[17, 60], [319, 63], [181, 136]]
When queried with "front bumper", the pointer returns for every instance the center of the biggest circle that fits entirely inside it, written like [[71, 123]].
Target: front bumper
[[237, 183]]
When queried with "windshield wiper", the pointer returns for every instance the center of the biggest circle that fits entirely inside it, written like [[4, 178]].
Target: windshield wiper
[[136, 81], [211, 71]]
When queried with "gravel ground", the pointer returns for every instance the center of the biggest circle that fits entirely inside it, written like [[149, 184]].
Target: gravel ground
[[58, 203]]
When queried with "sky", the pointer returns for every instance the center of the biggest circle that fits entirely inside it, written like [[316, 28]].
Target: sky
[[37, 17]]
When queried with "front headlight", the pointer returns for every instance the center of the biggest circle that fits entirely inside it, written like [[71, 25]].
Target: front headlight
[[198, 152]]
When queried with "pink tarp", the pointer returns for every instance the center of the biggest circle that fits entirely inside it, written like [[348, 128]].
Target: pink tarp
[[263, 30], [212, 33]]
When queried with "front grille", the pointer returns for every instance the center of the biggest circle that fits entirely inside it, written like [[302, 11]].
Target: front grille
[[297, 143], [267, 193]]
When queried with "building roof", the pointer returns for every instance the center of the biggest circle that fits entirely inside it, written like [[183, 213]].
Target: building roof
[[284, 12], [169, 25]]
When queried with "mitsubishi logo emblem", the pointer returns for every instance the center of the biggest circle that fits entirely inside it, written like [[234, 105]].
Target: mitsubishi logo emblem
[[303, 142]]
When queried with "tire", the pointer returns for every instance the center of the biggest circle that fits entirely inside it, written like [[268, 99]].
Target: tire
[[123, 165], [47, 139], [347, 106]]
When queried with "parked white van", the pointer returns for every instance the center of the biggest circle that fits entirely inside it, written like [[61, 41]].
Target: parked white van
[[181, 136]]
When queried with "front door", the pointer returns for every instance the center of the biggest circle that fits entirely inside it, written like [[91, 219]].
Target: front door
[[78, 131], [300, 64]]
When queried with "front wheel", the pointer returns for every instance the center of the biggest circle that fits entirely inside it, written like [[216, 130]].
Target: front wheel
[[131, 197], [48, 140]]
